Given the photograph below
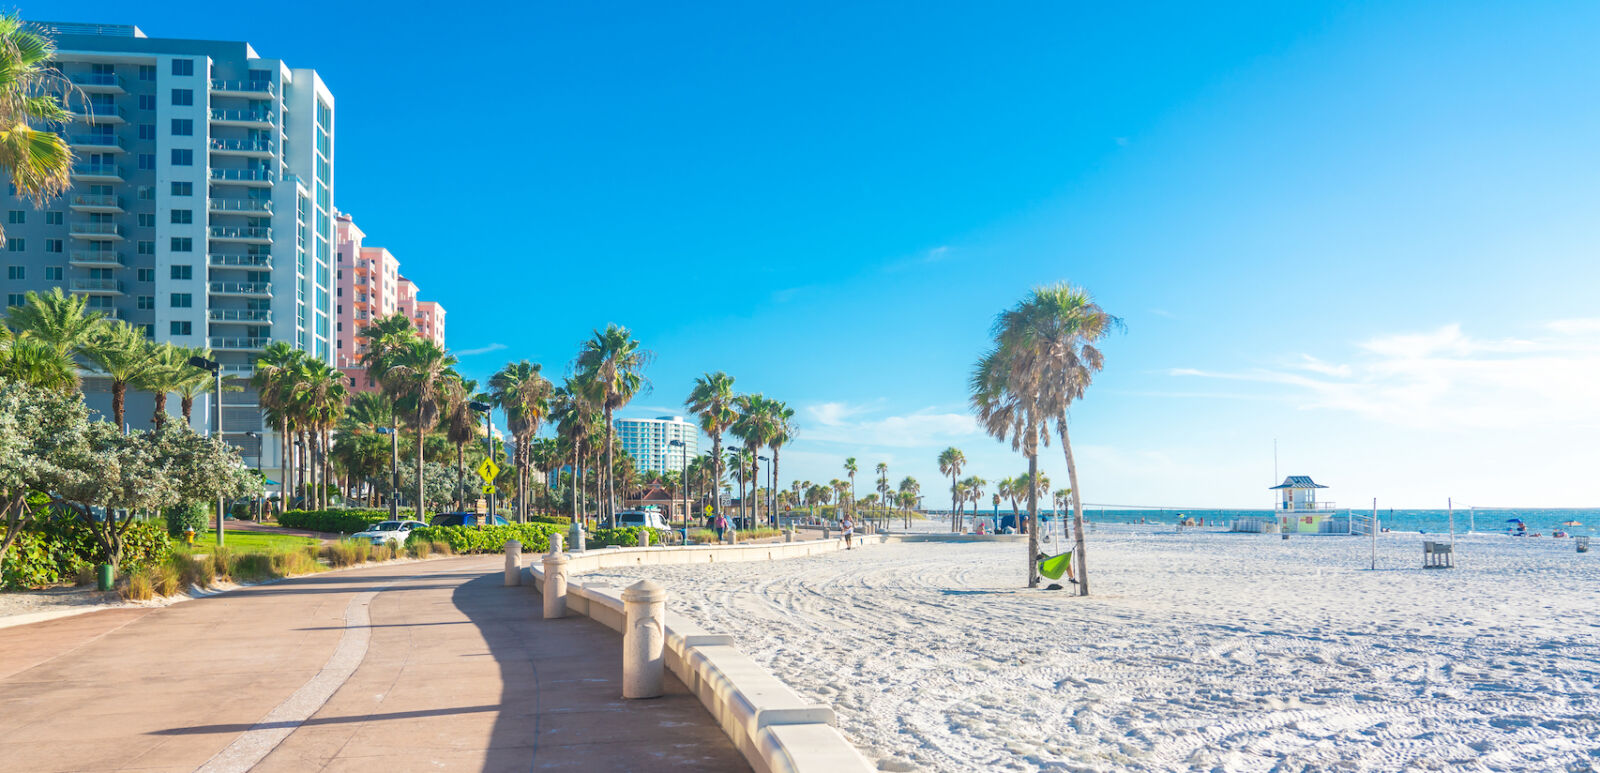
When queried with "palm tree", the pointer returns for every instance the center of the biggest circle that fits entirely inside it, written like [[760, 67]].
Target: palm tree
[[273, 378], [781, 418], [370, 411], [166, 370], [851, 468], [575, 419], [35, 363], [614, 363], [417, 370], [121, 352], [524, 394], [38, 162], [62, 322], [755, 426], [194, 382], [386, 337], [1044, 358], [909, 490], [324, 396], [973, 487], [461, 428], [951, 460], [882, 469], [712, 399]]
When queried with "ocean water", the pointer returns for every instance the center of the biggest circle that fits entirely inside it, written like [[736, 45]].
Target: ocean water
[[1541, 520]]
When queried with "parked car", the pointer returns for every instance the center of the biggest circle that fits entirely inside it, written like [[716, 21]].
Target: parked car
[[633, 519], [467, 519], [388, 531]]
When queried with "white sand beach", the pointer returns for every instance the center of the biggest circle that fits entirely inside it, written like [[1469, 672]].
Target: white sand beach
[[1198, 651]]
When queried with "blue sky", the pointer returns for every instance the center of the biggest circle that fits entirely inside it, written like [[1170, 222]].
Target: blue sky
[[1366, 230]]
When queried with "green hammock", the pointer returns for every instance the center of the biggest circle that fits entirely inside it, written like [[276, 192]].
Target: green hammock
[[1055, 566]]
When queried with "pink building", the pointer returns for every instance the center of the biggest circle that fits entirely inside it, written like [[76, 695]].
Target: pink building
[[370, 286]]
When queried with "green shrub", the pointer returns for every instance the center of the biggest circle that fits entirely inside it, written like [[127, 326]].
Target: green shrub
[[535, 537], [181, 518], [250, 567], [342, 521], [621, 537], [139, 586], [57, 550], [556, 519], [302, 560], [165, 580], [194, 571]]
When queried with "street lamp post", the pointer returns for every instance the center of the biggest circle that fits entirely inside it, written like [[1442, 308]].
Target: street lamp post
[[488, 440], [256, 506], [683, 470], [771, 516], [216, 421]]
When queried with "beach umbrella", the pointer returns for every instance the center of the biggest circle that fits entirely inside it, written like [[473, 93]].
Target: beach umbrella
[[1571, 523], [1513, 520]]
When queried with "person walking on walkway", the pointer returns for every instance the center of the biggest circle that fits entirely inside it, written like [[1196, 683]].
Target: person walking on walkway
[[722, 525], [847, 527]]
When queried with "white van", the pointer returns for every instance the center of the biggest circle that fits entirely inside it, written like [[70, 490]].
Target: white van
[[633, 519]]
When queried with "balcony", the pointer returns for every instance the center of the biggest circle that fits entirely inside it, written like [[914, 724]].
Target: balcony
[[252, 316], [256, 119], [254, 234], [221, 260], [97, 259], [97, 143], [238, 344], [98, 231], [242, 289], [97, 173], [240, 206], [238, 371], [98, 82], [97, 203], [255, 178], [96, 286], [253, 89], [103, 114], [242, 147]]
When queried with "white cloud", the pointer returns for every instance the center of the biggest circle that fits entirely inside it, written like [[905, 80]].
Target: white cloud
[[480, 350], [1446, 378], [846, 423]]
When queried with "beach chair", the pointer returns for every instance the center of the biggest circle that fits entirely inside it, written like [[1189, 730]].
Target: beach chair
[[1583, 544], [1438, 555]]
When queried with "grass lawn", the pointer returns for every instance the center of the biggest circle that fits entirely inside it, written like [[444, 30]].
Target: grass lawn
[[252, 541]]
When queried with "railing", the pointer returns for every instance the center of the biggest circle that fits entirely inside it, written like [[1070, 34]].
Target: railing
[[251, 116], [96, 140], [258, 87], [248, 261], [96, 79], [88, 257], [240, 232], [94, 113], [94, 229], [260, 146], [105, 200], [1304, 507], [241, 205], [260, 175], [241, 315], [96, 286], [239, 343], [96, 170], [241, 288]]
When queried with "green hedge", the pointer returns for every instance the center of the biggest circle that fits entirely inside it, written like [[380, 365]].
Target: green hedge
[[56, 550], [344, 521], [535, 537], [622, 537], [194, 515]]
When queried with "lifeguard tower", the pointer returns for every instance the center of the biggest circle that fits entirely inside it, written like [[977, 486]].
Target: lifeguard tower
[[1299, 511]]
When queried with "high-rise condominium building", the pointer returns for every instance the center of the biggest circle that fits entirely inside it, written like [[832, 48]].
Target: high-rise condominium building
[[201, 207], [370, 286], [649, 442]]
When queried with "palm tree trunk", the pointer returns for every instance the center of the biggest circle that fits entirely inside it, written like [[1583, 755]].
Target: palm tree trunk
[[327, 459], [186, 406], [611, 482], [461, 476], [1081, 556], [283, 461], [119, 392], [1033, 533], [774, 512], [952, 501], [160, 417], [420, 435]]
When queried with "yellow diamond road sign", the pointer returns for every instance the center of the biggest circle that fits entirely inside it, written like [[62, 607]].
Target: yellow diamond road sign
[[488, 470], [488, 488]]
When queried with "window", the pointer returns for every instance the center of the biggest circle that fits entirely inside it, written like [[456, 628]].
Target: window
[[147, 193], [16, 272], [16, 245], [147, 220], [182, 97], [181, 328], [147, 72], [145, 302], [182, 244], [52, 245], [147, 160], [52, 218], [183, 189], [16, 216], [182, 271], [182, 300], [147, 101], [183, 127], [183, 216], [15, 299], [146, 248], [52, 273], [182, 157], [147, 131], [147, 275], [183, 67]]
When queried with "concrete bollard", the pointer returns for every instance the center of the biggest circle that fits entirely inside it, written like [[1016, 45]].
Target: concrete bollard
[[575, 537], [644, 537], [825, 531], [555, 585], [555, 543], [644, 639], [513, 562], [788, 536]]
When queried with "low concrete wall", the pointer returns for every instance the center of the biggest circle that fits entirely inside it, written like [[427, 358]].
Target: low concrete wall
[[775, 729], [957, 537]]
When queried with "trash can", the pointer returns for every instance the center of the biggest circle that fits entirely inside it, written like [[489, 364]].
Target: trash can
[[104, 577]]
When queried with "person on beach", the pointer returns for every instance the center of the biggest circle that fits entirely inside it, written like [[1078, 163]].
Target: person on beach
[[847, 528], [722, 525]]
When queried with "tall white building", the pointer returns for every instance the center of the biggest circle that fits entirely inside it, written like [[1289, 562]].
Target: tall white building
[[649, 442], [201, 207]]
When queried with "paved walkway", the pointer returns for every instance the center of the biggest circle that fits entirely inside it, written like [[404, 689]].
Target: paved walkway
[[432, 665]]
